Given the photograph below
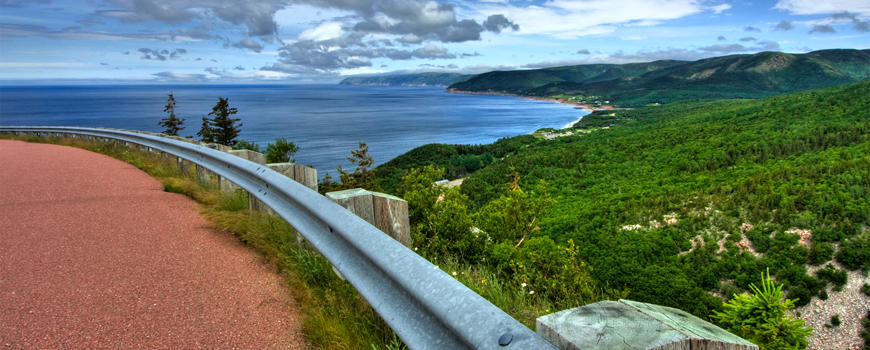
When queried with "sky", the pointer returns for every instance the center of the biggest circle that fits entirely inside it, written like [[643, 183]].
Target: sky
[[324, 41]]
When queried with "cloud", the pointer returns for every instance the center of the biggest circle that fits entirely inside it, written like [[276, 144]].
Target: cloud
[[104, 64], [583, 52], [495, 23], [465, 55], [751, 29], [9, 30], [245, 43], [256, 16], [748, 38], [239, 67], [727, 49], [783, 25], [213, 60], [720, 38], [568, 19], [822, 28], [198, 59], [161, 55], [180, 77], [812, 7], [87, 22], [719, 8]]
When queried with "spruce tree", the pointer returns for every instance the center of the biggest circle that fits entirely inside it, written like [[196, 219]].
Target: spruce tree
[[206, 133], [171, 123], [223, 128]]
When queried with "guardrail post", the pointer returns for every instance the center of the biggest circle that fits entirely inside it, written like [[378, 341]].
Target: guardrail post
[[388, 213], [256, 157], [630, 324]]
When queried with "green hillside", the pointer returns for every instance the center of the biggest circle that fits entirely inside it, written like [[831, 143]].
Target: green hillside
[[685, 203], [736, 76], [422, 79]]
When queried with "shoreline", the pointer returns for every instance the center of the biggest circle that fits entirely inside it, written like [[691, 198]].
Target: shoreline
[[584, 107]]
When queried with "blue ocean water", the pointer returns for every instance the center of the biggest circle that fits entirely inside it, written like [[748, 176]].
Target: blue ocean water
[[325, 121]]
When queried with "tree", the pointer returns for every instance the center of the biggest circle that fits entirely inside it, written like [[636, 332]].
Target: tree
[[762, 319], [171, 123], [206, 133], [281, 151], [224, 128], [362, 177]]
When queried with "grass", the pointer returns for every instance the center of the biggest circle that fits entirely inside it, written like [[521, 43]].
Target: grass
[[335, 316]]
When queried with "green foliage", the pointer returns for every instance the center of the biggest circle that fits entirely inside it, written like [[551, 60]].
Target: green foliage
[[281, 151], [855, 253], [171, 123], [865, 289], [835, 321], [820, 253], [206, 133], [362, 177], [835, 276], [515, 216], [761, 318], [248, 145], [708, 167], [221, 129]]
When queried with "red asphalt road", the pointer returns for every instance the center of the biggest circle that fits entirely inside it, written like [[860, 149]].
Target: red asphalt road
[[94, 254]]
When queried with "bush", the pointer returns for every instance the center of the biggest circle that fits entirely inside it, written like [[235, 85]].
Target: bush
[[831, 274], [281, 151], [855, 253], [835, 321], [820, 253], [243, 144], [761, 318]]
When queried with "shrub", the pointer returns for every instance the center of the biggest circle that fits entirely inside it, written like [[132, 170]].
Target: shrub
[[833, 275], [855, 253], [761, 318], [820, 253], [281, 151], [243, 144]]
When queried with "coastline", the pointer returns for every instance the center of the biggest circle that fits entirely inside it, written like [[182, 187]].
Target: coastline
[[584, 107]]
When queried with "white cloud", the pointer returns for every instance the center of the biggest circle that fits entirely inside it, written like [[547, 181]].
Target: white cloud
[[325, 31], [566, 19], [719, 8], [632, 37], [814, 7]]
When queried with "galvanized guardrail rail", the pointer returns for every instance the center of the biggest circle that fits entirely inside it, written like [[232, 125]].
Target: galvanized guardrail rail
[[426, 307]]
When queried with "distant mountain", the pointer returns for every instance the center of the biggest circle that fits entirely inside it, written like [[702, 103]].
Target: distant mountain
[[630, 85], [422, 79]]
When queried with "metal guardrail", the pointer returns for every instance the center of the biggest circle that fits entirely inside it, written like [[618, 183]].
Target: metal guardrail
[[427, 308]]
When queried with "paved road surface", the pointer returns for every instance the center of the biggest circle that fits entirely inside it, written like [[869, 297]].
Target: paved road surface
[[94, 255]]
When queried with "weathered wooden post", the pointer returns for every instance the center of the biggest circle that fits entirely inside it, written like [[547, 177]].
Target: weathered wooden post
[[304, 175], [388, 213], [634, 325], [256, 157]]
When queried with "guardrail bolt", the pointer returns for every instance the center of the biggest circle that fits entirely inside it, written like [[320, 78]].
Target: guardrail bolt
[[505, 339]]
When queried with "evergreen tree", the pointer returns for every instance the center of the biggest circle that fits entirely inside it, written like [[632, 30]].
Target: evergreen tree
[[171, 123], [223, 128], [206, 133], [362, 177]]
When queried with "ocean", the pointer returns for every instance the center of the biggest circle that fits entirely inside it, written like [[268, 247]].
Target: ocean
[[325, 121]]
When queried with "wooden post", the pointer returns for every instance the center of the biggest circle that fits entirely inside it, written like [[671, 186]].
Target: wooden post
[[184, 166], [633, 325], [388, 213], [256, 157]]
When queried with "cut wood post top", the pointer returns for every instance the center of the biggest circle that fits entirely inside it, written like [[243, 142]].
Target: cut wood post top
[[388, 213], [255, 157], [629, 324]]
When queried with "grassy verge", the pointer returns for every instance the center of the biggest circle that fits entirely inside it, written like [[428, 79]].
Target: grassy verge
[[335, 315]]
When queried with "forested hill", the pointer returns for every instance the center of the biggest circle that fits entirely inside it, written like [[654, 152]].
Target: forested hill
[[422, 79], [682, 203], [635, 85]]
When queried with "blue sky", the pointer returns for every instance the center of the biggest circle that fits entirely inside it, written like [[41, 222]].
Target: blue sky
[[323, 41]]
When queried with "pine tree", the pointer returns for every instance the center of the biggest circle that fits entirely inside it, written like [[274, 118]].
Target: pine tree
[[206, 133], [171, 123], [223, 128]]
